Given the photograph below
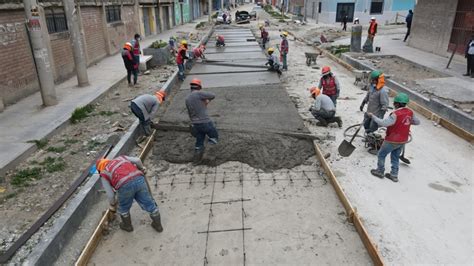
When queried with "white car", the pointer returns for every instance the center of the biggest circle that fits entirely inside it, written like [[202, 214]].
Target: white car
[[220, 18]]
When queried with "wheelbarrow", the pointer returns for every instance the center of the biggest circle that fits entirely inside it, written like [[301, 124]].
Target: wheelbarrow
[[311, 58]]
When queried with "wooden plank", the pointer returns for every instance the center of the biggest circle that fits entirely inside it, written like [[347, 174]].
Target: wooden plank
[[368, 243]]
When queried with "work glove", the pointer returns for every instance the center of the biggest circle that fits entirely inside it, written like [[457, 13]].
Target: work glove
[[144, 170]]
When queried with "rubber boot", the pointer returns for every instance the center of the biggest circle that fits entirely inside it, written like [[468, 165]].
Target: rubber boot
[[338, 121], [126, 223], [156, 222], [322, 122], [376, 173]]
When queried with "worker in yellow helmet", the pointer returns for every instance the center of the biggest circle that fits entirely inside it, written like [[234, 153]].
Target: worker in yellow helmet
[[272, 61], [284, 47]]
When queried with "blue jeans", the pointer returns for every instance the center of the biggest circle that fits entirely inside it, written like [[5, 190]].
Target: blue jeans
[[181, 72], [138, 190], [369, 124], [395, 150], [201, 130], [145, 124]]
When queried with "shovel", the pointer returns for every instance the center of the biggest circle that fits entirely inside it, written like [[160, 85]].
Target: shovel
[[346, 148]]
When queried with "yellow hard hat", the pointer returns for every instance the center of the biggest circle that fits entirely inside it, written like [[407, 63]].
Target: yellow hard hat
[[184, 42], [285, 33], [260, 26], [271, 50]]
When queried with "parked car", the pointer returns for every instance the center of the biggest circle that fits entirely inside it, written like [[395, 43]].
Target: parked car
[[242, 17], [220, 17], [253, 13]]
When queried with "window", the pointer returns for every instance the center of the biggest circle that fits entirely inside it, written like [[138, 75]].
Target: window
[[376, 7], [55, 20], [112, 13], [319, 7]]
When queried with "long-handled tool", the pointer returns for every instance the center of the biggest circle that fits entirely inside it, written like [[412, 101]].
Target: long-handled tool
[[402, 157], [346, 148]]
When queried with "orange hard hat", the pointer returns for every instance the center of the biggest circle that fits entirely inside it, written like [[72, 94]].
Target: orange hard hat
[[101, 164], [315, 91], [160, 95], [196, 82], [127, 46], [325, 70]]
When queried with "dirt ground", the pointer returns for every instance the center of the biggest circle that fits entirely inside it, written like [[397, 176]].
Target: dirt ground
[[67, 154]]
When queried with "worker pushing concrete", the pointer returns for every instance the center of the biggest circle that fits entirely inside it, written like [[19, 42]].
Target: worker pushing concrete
[[398, 130], [284, 48], [145, 106], [272, 61], [201, 123], [180, 57], [125, 177], [377, 101], [323, 109], [329, 84]]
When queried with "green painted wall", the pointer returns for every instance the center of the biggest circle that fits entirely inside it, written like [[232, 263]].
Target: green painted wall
[[186, 11]]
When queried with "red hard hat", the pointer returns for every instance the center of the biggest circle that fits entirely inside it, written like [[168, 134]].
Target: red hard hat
[[325, 70], [196, 82]]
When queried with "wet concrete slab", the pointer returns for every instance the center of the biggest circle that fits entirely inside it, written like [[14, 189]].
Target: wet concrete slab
[[233, 80], [237, 56], [215, 68], [234, 44], [232, 49]]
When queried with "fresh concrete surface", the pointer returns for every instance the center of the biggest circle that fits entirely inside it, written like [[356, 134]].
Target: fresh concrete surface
[[28, 120], [213, 50], [233, 44], [238, 56], [231, 80], [216, 68]]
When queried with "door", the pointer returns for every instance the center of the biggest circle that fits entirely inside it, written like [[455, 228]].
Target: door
[[344, 9], [146, 21], [166, 17], [463, 26], [159, 27]]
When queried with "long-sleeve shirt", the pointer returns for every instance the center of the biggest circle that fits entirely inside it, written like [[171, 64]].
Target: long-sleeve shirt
[[149, 105], [391, 119], [196, 103], [470, 47], [338, 86], [284, 47], [323, 101], [109, 190], [377, 100]]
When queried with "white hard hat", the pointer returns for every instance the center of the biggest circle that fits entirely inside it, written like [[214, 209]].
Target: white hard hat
[[356, 19], [372, 18]]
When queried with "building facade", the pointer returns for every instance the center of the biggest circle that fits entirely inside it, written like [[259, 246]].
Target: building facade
[[331, 11], [442, 26]]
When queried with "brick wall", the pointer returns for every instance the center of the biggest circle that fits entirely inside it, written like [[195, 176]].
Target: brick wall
[[62, 55], [17, 71], [123, 31], [94, 34]]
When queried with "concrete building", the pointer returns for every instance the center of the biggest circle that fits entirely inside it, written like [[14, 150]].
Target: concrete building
[[331, 11], [442, 26]]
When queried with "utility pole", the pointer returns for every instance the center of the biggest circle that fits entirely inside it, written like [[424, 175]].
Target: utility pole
[[305, 5], [76, 42], [210, 10], [317, 11], [40, 53]]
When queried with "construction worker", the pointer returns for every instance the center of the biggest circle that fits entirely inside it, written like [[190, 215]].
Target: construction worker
[[469, 54], [284, 49], [130, 64], [376, 100], [398, 130], [372, 28], [145, 106], [124, 175], [136, 48], [198, 52], [220, 41], [264, 36], [180, 57], [323, 109], [329, 84], [272, 61], [202, 125]]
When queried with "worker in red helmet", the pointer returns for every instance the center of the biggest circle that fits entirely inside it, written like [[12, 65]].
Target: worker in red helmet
[[329, 84], [145, 106], [220, 41], [125, 176], [323, 109], [202, 125]]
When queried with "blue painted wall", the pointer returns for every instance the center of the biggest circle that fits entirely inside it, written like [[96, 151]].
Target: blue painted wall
[[362, 5], [399, 5]]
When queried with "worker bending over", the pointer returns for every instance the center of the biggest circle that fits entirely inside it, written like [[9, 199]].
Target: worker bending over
[[220, 41], [323, 109], [329, 84], [376, 100], [398, 130], [125, 177], [145, 106], [198, 52], [272, 61]]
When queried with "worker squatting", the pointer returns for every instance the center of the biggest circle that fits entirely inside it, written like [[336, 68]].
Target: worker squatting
[[123, 178]]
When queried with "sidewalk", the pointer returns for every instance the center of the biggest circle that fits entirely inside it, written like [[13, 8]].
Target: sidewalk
[[29, 120]]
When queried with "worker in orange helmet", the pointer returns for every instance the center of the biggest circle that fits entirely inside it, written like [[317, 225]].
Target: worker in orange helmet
[[130, 64], [125, 177], [202, 125], [145, 106], [329, 84], [323, 109]]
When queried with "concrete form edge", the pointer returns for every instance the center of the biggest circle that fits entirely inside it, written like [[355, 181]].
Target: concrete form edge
[[47, 251]]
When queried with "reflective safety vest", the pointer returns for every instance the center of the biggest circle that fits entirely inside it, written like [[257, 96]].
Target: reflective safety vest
[[136, 47], [179, 56], [329, 87], [119, 171], [284, 46], [373, 28], [400, 131]]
